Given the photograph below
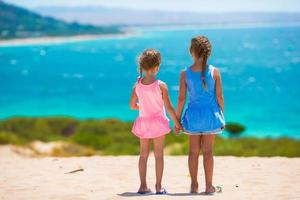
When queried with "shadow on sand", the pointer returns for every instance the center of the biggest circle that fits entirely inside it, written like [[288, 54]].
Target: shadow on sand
[[135, 194]]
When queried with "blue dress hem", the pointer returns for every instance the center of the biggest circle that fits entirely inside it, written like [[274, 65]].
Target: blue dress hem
[[216, 131]]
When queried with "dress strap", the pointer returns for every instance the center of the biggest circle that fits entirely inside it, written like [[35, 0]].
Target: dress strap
[[211, 70]]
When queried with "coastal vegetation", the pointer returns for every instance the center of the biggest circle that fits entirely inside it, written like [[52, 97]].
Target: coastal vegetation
[[114, 137], [234, 129], [17, 22]]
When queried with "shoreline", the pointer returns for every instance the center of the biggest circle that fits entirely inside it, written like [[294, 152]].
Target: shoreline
[[157, 28], [61, 39]]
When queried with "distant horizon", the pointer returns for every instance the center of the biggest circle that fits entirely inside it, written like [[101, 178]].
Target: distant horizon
[[193, 6]]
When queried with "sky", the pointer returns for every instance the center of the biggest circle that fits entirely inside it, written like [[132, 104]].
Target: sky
[[176, 5]]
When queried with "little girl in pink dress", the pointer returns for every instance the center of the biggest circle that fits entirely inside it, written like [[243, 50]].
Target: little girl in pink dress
[[152, 121], [150, 96]]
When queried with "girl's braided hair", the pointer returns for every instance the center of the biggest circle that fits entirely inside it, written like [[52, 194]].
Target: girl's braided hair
[[201, 48]]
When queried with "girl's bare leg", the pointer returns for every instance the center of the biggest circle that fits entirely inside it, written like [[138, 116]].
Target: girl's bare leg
[[208, 160], [144, 154], [159, 160], [194, 150]]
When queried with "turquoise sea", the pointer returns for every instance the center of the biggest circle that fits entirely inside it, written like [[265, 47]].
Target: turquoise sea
[[93, 79]]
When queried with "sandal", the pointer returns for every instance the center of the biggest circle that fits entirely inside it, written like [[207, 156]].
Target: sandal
[[144, 192], [162, 191], [217, 189]]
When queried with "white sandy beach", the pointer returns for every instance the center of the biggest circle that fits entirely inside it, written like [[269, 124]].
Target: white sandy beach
[[111, 177], [58, 40]]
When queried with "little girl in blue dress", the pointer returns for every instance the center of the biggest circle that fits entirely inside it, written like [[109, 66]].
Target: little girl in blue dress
[[203, 117]]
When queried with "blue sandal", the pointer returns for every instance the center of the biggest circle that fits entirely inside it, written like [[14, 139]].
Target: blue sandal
[[162, 191], [217, 189], [145, 192]]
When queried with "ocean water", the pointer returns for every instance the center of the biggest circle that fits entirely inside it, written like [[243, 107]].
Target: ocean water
[[260, 69]]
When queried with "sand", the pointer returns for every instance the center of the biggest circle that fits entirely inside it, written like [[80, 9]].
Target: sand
[[62, 39], [110, 177]]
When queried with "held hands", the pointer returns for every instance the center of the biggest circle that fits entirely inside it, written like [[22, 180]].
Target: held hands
[[177, 125], [178, 128]]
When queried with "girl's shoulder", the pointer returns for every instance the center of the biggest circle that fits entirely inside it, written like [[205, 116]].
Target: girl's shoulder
[[162, 83], [213, 67], [162, 86], [184, 71], [215, 72], [137, 82]]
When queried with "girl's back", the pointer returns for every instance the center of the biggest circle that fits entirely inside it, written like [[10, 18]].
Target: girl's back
[[203, 114], [152, 121], [198, 97], [150, 99]]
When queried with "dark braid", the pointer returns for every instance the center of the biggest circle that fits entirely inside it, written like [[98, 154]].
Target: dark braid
[[203, 72], [201, 47]]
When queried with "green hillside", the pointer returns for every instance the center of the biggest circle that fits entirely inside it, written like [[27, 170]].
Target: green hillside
[[114, 137], [16, 22]]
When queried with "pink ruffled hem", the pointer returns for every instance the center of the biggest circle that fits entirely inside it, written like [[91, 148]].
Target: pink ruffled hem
[[151, 127]]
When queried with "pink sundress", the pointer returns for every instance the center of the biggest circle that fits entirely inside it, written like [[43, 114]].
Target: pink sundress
[[152, 121]]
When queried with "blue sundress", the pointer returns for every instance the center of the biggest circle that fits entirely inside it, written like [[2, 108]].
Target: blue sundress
[[203, 114]]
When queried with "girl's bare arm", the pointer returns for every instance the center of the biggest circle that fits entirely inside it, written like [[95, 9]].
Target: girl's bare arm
[[168, 105], [133, 100], [219, 90], [182, 95]]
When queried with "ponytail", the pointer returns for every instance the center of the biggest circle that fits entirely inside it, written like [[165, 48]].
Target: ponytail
[[204, 63]]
